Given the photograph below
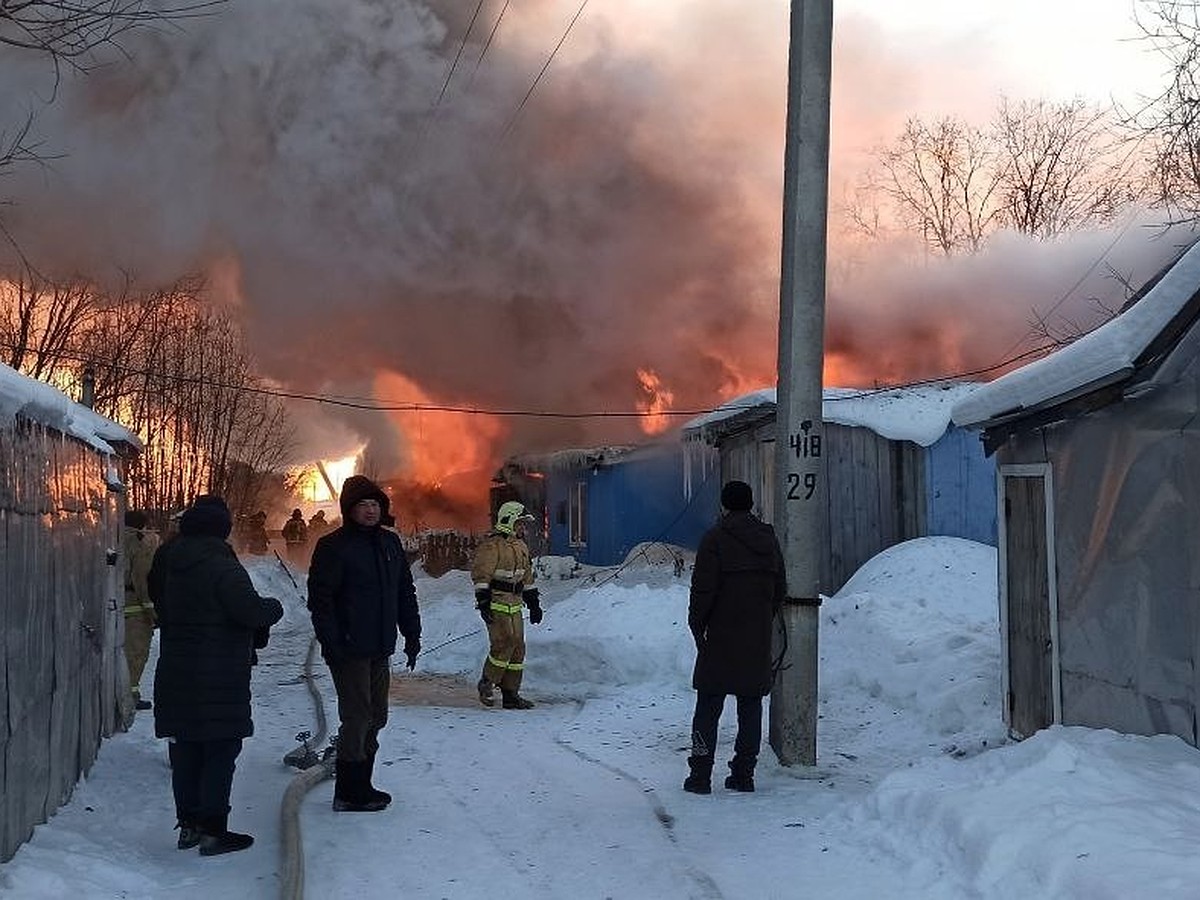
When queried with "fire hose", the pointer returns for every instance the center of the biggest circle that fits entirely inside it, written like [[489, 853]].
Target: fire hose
[[314, 768]]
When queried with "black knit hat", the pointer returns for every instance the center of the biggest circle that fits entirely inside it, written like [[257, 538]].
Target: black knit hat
[[208, 516], [359, 487], [736, 496]]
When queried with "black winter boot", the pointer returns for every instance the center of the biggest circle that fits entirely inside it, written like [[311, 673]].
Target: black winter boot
[[700, 781], [373, 792], [741, 776], [513, 700], [216, 838], [189, 834], [350, 789]]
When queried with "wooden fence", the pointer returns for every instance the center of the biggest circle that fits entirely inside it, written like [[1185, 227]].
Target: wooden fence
[[63, 679]]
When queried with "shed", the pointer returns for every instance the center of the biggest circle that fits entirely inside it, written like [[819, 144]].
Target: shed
[[895, 469], [597, 504], [64, 684], [1098, 450]]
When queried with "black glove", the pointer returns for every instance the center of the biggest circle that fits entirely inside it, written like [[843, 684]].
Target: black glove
[[534, 601], [411, 649], [483, 602]]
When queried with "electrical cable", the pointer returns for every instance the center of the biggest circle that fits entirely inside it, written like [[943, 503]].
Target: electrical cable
[[537, 80], [488, 43]]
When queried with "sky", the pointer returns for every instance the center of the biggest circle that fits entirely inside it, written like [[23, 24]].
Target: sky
[[393, 224], [917, 792]]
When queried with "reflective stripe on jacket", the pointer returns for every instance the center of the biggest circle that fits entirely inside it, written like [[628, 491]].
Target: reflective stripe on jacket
[[502, 565]]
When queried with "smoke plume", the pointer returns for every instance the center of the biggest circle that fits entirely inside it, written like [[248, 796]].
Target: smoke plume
[[391, 230]]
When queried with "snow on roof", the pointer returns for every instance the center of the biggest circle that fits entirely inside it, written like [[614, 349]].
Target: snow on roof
[[920, 413], [1094, 358], [40, 402]]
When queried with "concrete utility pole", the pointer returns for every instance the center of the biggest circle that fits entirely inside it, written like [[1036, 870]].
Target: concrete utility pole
[[799, 474]]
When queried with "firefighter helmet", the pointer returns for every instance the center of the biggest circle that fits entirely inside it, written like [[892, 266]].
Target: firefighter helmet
[[508, 515]]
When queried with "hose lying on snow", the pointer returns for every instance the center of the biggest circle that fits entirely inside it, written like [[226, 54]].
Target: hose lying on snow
[[314, 769]]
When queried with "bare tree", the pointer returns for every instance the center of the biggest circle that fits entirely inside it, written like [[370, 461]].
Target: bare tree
[[168, 365], [942, 180], [71, 31], [1059, 166], [1169, 123], [43, 325]]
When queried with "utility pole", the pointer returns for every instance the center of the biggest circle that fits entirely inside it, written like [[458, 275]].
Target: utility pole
[[800, 489]]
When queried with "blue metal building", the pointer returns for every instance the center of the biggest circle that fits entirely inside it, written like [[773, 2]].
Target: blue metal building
[[598, 504]]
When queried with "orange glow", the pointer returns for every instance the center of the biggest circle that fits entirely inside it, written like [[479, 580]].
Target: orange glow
[[439, 444], [838, 371], [656, 403], [310, 486]]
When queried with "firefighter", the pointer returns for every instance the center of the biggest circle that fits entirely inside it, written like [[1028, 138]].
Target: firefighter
[[502, 574], [295, 538], [139, 544]]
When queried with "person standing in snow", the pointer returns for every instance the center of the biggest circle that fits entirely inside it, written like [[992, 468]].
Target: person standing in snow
[[502, 574], [139, 544], [738, 586], [210, 622], [295, 538], [360, 593]]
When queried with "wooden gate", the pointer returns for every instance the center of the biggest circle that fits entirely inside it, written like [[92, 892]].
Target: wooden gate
[[1028, 599]]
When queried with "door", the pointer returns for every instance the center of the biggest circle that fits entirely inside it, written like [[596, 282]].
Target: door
[[1028, 601]]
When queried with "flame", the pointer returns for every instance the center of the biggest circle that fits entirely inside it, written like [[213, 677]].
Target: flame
[[656, 404], [439, 444], [311, 487]]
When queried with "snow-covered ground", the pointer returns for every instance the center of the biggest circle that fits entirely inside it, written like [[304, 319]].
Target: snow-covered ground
[[916, 794]]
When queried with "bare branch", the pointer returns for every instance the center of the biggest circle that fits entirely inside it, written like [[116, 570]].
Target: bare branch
[[70, 31]]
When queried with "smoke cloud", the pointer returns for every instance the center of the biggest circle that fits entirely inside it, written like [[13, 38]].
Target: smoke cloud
[[474, 251]]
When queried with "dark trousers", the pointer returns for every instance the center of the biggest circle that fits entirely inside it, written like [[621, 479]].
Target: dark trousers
[[362, 692], [202, 777], [749, 730]]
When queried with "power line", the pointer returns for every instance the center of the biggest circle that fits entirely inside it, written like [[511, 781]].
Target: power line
[[372, 405], [488, 43], [520, 106], [430, 117], [457, 56]]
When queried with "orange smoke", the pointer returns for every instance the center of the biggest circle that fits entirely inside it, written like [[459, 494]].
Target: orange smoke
[[439, 444]]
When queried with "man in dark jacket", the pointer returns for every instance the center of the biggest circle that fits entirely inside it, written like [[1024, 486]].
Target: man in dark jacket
[[360, 592], [210, 620], [738, 586]]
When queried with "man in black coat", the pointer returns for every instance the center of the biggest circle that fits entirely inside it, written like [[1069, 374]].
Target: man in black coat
[[738, 585], [360, 592], [210, 620]]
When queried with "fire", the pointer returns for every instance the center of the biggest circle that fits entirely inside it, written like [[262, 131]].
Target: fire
[[657, 402], [439, 444], [310, 484]]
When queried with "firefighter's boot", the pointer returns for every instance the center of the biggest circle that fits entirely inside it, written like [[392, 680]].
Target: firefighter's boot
[[513, 700], [487, 692]]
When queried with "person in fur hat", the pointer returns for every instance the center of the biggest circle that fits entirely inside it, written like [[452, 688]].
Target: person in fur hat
[[360, 594]]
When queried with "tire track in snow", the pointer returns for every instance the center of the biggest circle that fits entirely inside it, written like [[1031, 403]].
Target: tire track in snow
[[706, 885]]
